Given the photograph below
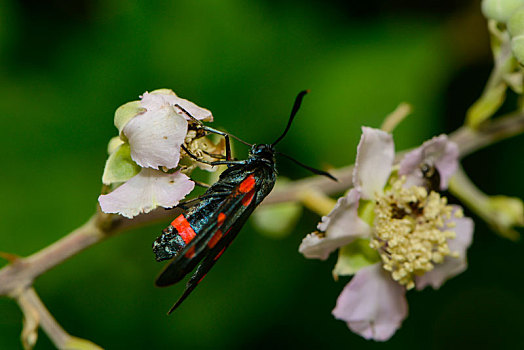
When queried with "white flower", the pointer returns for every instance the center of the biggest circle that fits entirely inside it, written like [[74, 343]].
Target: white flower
[[152, 131], [419, 239], [155, 135]]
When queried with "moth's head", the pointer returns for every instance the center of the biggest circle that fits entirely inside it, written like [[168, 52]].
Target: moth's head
[[263, 151]]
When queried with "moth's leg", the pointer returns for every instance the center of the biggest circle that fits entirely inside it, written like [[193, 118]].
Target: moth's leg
[[184, 204], [207, 128], [226, 136], [219, 162]]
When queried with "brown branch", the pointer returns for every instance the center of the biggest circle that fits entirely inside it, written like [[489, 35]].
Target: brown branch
[[22, 272], [36, 314]]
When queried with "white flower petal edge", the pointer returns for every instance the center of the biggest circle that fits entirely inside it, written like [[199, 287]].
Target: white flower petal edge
[[155, 137], [438, 152], [372, 304], [158, 99], [341, 227], [375, 156], [145, 191], [451, 266]]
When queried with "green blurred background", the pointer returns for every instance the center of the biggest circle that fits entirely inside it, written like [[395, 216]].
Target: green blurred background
[[65, 66]]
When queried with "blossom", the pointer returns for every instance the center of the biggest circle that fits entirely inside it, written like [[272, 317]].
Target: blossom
[[145, 191], [143, 158], [155, 136], [416, 237]]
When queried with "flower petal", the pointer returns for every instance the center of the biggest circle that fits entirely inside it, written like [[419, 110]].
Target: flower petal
[[155, 137], [166, 97], [375, 156], [341, 226], [372, 304], [146, 191], [438, 152], [451, 266], [125, 113]]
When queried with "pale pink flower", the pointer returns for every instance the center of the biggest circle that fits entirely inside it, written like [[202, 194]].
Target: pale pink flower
[[373, 303], [152, 131], [155, 136]]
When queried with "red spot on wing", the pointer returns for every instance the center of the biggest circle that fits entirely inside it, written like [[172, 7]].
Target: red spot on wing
[[247, 185], [214, 240], [190, 253], [219, 254], [183, 228], [201, 278], [216, 237], [248, 198], [221, 218], [222, 251]]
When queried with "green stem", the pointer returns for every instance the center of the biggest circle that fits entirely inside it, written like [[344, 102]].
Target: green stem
[[500, 212]]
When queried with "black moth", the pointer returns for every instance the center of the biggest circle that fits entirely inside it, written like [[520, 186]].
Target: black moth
[[214, 219]]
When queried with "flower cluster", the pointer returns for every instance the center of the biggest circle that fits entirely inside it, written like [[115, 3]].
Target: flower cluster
[[511, 14], [506, 28], [144, 167], [395, 232]]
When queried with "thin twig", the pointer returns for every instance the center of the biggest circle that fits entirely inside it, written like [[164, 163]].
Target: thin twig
[[22, 272], [36, 314]]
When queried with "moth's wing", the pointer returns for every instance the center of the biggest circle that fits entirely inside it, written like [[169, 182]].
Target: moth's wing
[[186, 260], [187, 204], [212, 256]]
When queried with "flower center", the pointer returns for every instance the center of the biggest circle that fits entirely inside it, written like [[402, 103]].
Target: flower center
[[411, 231]]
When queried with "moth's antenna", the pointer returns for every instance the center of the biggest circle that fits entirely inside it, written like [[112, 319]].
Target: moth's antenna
[[294, 111], [313, 170]]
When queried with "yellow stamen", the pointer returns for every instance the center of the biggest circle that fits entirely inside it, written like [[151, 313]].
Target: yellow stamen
[[411, 234]]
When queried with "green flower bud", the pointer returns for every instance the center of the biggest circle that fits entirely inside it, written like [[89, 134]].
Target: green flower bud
[[516, 23], [125, 113], [119, 166], [500, 10], [516, 30]]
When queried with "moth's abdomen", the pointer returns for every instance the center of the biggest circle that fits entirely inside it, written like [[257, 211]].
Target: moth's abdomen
[[173, 239]]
